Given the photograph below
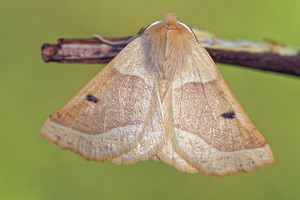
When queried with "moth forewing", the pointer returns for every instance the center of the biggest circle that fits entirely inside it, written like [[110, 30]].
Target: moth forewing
[[119, 103]]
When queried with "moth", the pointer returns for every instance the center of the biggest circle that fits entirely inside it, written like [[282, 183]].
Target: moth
[[161, 97]]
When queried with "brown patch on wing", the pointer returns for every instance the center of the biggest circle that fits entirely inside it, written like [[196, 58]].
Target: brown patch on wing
[[108, 101], [200, 110]]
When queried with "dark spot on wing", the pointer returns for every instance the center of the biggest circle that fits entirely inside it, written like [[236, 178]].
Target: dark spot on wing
[[92, 98], [58, 137], [229, 115], [58, 114]]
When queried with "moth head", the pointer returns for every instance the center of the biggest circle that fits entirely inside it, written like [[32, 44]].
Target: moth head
[[170, 23]]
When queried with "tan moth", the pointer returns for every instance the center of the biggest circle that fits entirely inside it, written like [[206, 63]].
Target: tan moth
[[161, 97]]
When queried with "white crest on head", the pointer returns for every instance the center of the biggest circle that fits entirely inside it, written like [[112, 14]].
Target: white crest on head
[[185, 26], [154, 23], [182, 24]]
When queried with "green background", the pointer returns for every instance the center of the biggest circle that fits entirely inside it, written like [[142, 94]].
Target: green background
[[33, 168]]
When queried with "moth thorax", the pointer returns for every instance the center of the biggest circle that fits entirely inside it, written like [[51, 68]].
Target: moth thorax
[[166, 51]]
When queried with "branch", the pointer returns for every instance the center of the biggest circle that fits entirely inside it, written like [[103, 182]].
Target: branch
[[266, 55]]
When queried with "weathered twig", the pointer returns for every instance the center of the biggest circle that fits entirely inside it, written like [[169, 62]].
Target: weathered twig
[[265, 55]]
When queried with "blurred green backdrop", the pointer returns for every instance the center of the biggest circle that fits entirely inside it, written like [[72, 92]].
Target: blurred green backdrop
[[33, 168]]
